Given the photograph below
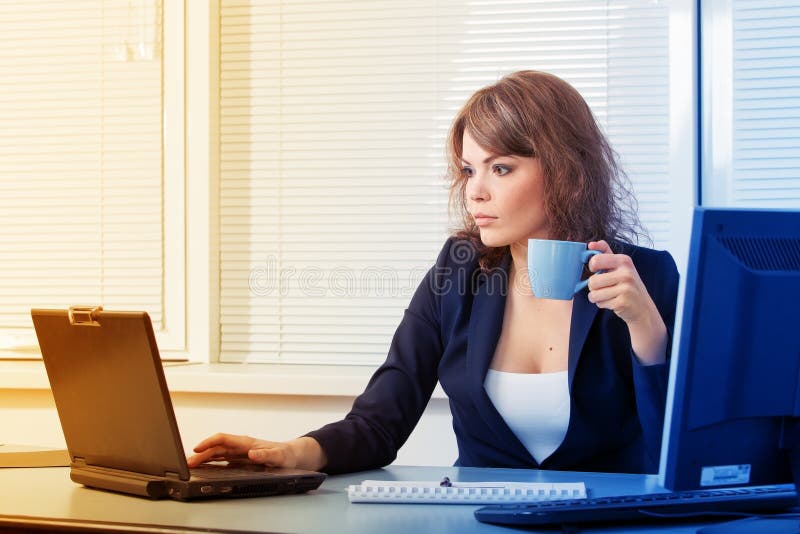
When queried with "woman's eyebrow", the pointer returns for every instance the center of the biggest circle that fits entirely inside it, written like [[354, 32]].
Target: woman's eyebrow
[[491, 158]]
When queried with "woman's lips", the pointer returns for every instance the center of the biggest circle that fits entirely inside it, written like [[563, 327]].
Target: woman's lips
[[483, 220]]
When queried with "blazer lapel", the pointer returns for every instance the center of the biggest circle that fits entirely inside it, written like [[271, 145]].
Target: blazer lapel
[[583, 314], [485, 325]]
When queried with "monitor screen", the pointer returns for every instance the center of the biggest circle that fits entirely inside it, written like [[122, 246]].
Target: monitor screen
[[734, 394]]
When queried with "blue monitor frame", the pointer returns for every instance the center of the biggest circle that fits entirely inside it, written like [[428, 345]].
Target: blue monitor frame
[[733, 400]]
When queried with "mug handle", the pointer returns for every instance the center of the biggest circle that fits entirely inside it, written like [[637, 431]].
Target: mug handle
[[585, 258]]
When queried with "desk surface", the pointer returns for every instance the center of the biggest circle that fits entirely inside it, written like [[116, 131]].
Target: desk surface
[[48, 496]]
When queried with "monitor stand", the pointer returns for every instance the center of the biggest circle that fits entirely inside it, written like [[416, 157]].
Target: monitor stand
[[789, 521]]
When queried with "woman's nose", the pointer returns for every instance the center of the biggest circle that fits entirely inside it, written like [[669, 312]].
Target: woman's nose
[[476, 188]]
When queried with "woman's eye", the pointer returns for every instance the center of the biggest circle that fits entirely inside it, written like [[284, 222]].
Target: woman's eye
[[467, 172], [501, 170]]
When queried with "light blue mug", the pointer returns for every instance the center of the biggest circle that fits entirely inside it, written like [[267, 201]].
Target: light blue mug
[[555, 267]]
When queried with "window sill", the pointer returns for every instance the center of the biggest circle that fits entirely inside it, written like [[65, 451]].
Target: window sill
[[238, 378]]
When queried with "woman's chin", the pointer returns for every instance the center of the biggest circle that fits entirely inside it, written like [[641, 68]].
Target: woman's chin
[[491, 239]]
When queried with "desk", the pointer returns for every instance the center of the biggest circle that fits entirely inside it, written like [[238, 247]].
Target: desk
[[46, 497]]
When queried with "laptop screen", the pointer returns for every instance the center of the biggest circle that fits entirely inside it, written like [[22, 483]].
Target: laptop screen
[[110, 392]]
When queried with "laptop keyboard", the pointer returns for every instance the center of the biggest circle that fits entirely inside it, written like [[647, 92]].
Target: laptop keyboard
[[227, 471], [660, 506]]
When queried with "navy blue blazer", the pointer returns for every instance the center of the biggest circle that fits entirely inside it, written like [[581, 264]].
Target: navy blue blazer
[[449, 333]]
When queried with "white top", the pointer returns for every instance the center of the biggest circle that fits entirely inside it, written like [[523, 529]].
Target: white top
[[535, 406]]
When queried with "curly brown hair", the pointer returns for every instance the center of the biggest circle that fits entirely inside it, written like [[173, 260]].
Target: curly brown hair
[[587, 196]]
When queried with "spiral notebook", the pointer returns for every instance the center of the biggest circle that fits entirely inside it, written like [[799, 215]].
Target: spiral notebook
[[412, 492]]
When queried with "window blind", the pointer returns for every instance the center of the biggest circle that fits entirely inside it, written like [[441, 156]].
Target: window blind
[[333, 118], [81, 158], [766, 104]]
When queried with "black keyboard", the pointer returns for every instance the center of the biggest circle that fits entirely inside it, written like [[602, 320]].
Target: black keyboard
[[659, 506]]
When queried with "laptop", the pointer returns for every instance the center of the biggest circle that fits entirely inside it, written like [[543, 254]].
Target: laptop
[[115, 410]]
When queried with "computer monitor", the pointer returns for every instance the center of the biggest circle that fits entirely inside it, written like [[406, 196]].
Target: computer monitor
[[733, 402]]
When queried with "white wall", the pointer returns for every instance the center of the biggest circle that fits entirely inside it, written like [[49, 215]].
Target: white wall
[[28, 416]]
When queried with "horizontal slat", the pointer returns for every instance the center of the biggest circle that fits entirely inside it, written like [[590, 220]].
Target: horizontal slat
[[379, 281], [264, 317]]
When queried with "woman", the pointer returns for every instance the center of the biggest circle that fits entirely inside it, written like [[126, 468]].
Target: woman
[[532, 383]]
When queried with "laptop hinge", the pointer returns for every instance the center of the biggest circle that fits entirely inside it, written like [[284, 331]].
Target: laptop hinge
[[84, 315], [171, 476]]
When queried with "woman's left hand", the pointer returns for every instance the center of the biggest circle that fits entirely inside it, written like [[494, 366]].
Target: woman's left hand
[[620, 289]]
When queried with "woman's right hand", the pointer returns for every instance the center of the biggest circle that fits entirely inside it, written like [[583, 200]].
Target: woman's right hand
[[300, 453]]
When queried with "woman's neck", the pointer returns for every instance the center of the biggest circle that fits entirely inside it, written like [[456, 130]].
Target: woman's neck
[[518, 270]]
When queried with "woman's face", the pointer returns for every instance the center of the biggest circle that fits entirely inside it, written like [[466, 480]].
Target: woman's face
[[504, 195]]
